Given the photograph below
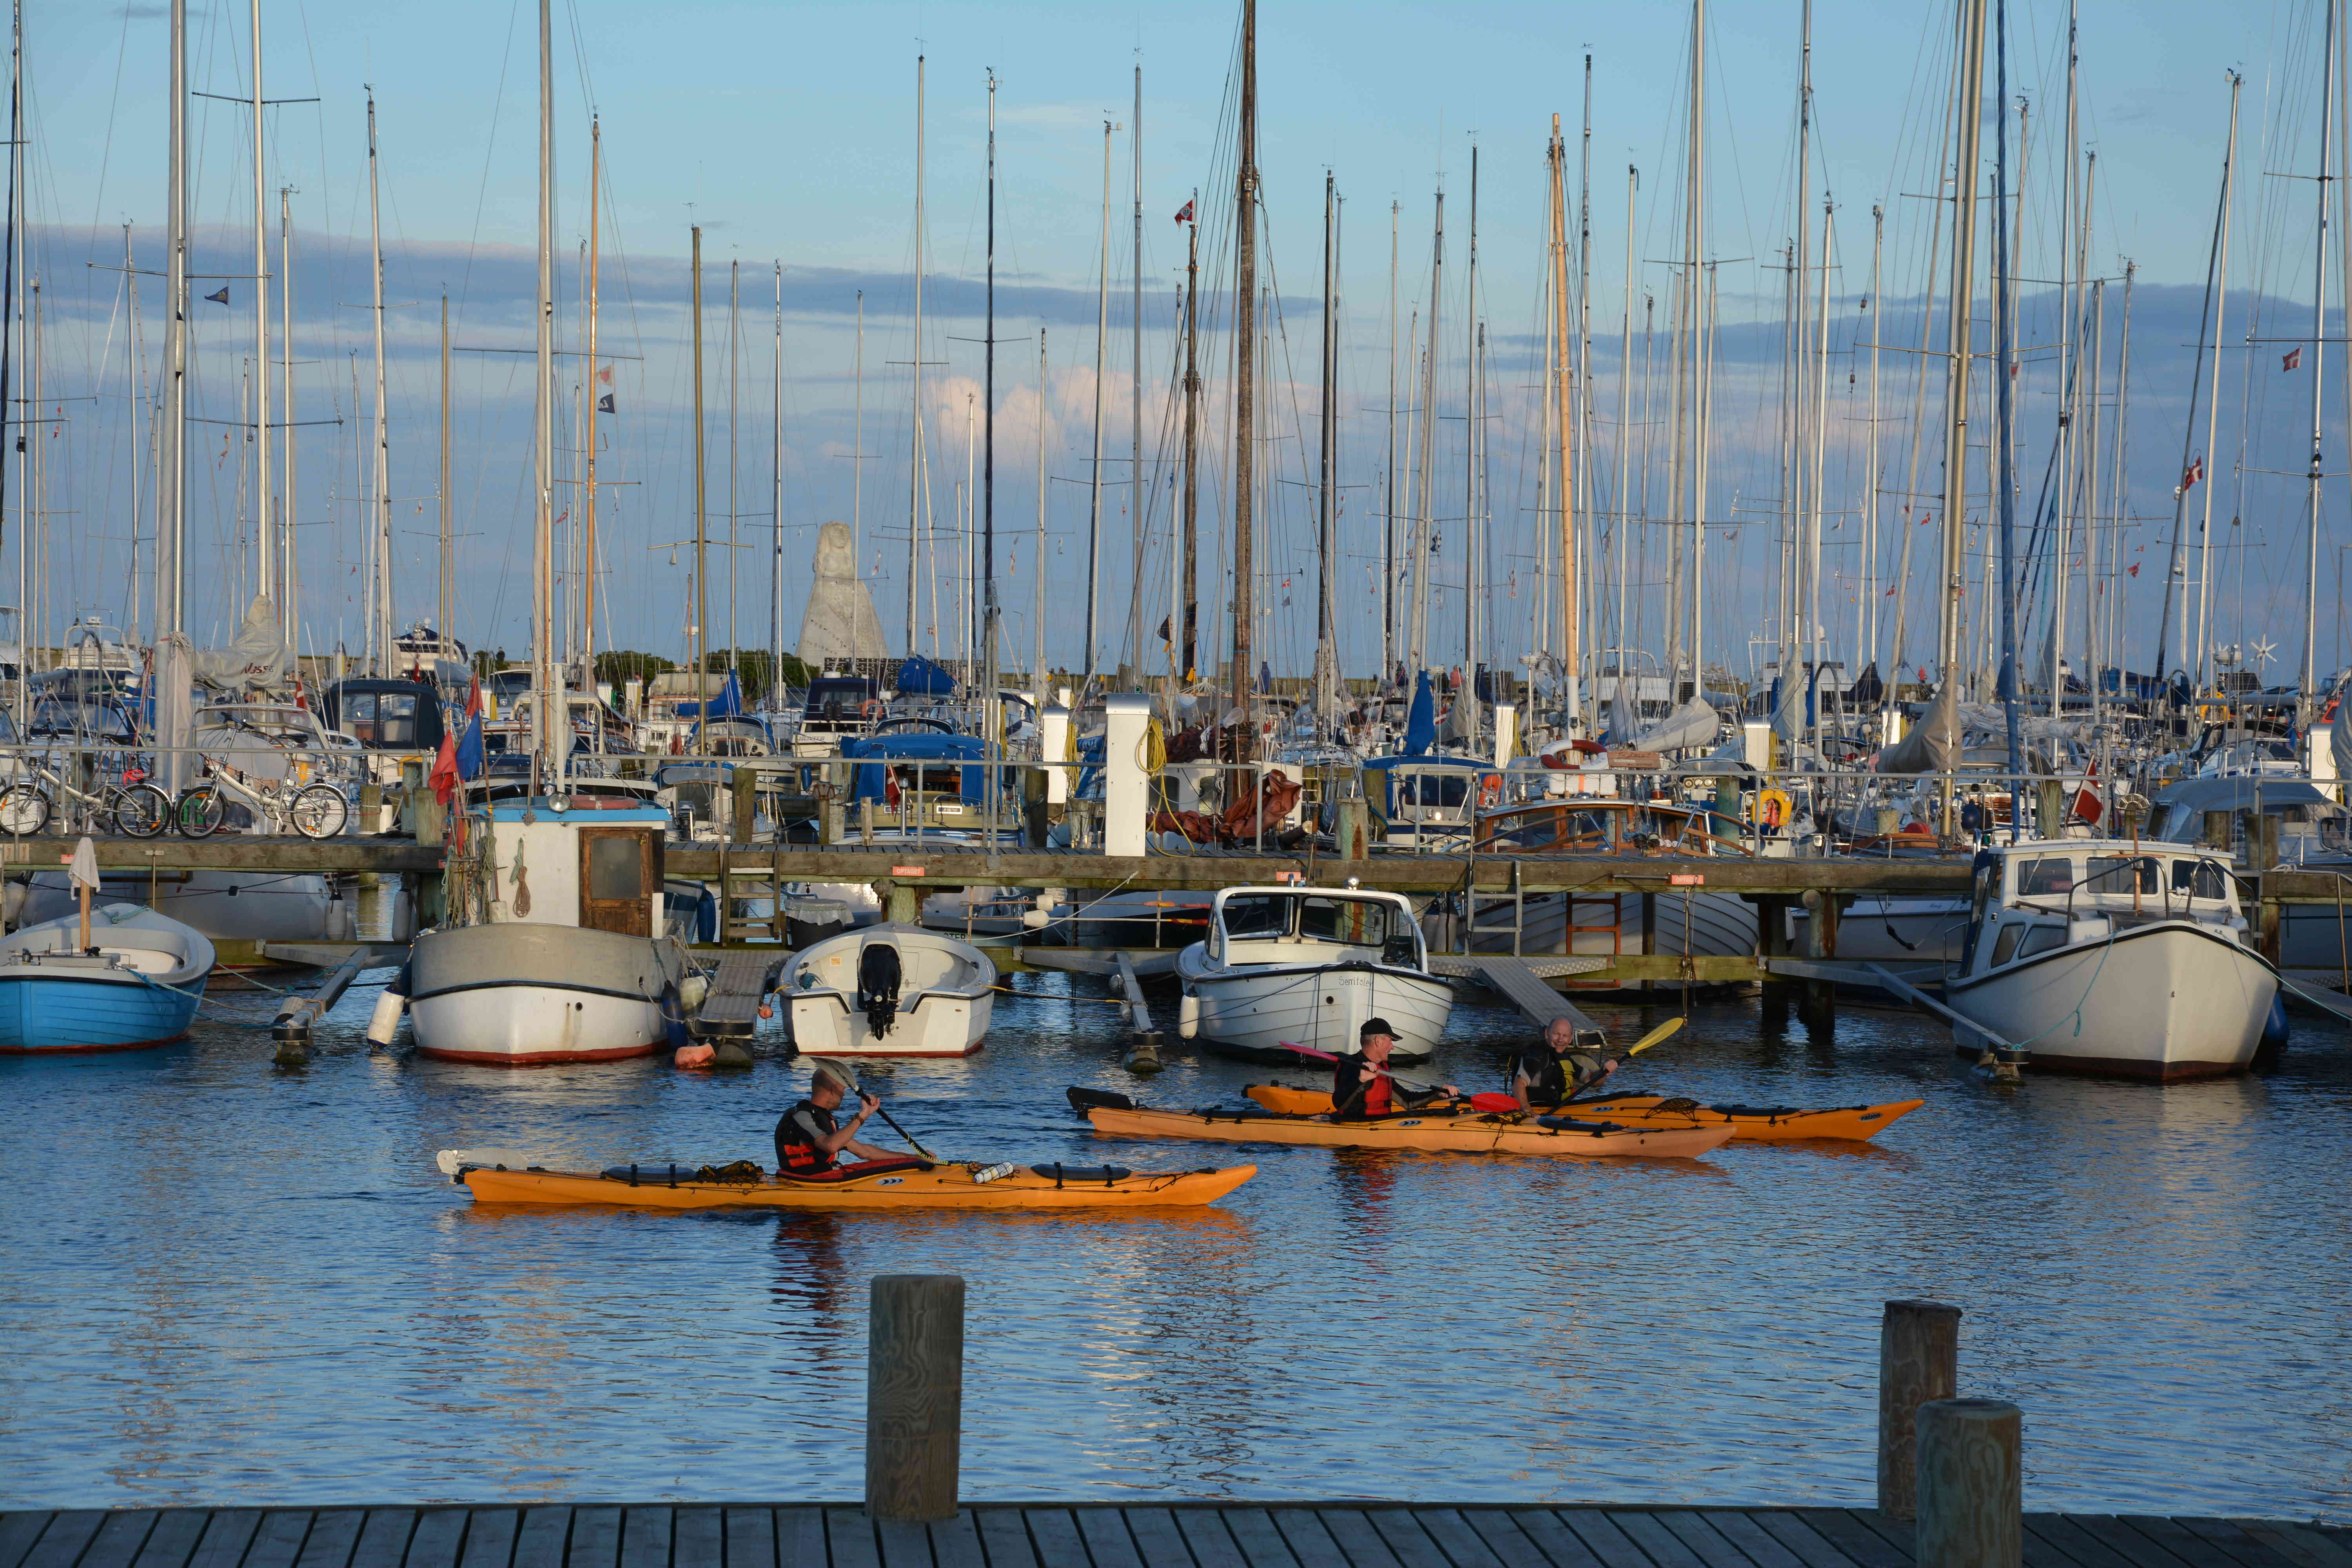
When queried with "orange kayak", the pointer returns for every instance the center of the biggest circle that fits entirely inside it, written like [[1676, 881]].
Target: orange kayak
[[1472, 1133], [896, 1186], [1748, 1123]]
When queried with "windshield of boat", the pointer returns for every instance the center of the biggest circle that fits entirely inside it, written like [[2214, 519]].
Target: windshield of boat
[[1311, 917]]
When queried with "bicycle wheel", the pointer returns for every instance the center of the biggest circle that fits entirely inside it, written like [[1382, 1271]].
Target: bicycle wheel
[[141, 811], [320, 811], [24, 810], [201, 810]]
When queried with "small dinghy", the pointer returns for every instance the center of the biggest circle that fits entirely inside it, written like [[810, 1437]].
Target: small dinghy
[[889, 991], [113, 979]]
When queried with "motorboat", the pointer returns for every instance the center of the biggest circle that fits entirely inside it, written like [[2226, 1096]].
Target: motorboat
[[1308, 966], [2103, 956], [558, 951], [889, 991], [133, 980]]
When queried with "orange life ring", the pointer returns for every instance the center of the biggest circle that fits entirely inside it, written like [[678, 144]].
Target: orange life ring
[[1490, 790], [872, 708], [1773, 807]]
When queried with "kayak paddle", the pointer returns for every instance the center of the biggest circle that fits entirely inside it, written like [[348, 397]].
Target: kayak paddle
[[1664, 1031], [901, 1131], [1487, 1102]]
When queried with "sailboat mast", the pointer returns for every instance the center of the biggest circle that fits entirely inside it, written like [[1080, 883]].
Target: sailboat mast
[[1575, 611], [1094, 471], [2213, 393], [734, 451], [1388, 495], [1424, 555], [776, 506], [1694, 243], [1037, 577], [1470, 559], [170, 509], [264, 531], [552, 720], [1326, 672], [380, 624], [915, 428], [441, 603], [697, 629], [988, 492], [1953, 587], [1246, 380], [589, 492], [2305, 696], [1135, 491], [2004, 419], [1188, 629], [1868, 616], [1564, 400], [1620, 528]]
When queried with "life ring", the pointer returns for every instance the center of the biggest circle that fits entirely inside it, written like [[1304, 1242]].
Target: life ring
[[1490, 790], [1773, 807], [873, 708]]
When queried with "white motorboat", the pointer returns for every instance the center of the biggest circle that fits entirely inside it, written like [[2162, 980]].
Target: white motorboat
[[2100, 957], [889, 991], [1308, 966], [560, 955]]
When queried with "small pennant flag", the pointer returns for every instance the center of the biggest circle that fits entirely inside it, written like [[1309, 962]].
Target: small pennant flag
[[2133, 569], [1185, 213], [221, 298], [604, 405], [2292, 361], [2196, 472], [604, 377]]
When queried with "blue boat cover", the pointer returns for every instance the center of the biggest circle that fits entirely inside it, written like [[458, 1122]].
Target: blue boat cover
[[1420, 720], [919, 677], [875, 750]]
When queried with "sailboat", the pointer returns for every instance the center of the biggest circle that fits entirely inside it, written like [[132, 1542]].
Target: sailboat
[[559, 954]]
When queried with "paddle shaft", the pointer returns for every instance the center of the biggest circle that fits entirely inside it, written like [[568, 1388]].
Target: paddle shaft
[[901, 1131], [1404, 1078]]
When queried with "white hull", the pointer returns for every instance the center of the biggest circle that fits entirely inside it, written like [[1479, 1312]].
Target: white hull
[[1252, 1010], [947, 996], [517, 1025], [2173, 999], [514, 994], [224, 906]]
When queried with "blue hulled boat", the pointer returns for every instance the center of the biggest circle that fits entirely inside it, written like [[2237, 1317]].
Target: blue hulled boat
[[135, 983]]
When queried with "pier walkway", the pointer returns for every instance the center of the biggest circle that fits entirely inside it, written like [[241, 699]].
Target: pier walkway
[[1358, 1534]]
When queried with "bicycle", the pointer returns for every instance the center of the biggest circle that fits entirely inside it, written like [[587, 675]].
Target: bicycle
[[315, 811], [137, 809]]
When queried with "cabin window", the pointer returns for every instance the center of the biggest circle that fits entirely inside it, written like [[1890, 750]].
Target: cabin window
[[2199, 879], [620, 870], [1258, 917], [2040, 939], [2005, 948], [2050, 874], [2120, 874], [1354, 920]]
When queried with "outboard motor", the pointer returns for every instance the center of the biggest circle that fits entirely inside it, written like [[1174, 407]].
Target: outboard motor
[[877, 984]]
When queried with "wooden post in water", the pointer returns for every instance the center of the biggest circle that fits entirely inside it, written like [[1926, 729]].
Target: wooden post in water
[[914, 1396], [2217, 830], [1918, 1361], [1970, 1493], [745, 807]]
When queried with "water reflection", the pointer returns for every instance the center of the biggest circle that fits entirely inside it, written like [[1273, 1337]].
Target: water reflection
[[227, 1283]]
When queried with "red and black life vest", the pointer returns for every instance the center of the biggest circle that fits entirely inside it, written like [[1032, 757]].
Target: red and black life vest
[[797, 1153]]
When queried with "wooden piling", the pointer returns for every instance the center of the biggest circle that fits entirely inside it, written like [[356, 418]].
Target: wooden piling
[[2217, 830], [1918, 1361], [1970, 1496], [914, 1396], [744, 807]]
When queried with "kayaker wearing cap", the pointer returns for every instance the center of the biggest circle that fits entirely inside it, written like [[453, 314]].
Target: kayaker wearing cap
[[1556, 1067], [1360, 1088], [810, 1141]]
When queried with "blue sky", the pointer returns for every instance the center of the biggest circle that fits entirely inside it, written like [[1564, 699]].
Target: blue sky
[[788, 134]]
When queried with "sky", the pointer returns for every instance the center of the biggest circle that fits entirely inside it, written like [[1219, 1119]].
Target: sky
[[789, 134]]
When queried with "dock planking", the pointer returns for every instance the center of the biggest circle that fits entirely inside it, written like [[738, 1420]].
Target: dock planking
[[1360, 1533]]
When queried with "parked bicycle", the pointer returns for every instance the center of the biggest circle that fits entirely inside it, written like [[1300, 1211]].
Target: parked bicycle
[[314, 811], [136, 808]]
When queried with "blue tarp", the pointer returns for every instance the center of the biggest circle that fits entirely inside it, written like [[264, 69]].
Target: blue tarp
[[876, 751], [726, 705], [1470, 768], [1420, 720], [919, 677]]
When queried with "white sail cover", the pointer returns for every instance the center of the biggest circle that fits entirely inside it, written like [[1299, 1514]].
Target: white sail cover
[[2339, 734], [1933, 743], [256, 663], [1695, 724], [174, 717], [839, 624]]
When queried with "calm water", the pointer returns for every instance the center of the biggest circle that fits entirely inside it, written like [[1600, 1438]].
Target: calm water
[[225, 1283]]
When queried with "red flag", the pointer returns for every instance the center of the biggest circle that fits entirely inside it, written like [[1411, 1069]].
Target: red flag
[[2133, 568], [443, 777], [2196, 472], [2292, 361], [1185, 213]]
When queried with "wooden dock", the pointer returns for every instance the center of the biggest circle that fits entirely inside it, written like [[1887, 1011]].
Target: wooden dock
[[1347, 1535]]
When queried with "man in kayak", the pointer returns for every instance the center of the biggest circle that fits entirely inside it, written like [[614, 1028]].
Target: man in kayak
[[1556, 1069], [1361, 1087], [810, 1140]]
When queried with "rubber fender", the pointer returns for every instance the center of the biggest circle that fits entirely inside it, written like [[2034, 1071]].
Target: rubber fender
[[1188, 1016], [692, 991], [383, 1024]]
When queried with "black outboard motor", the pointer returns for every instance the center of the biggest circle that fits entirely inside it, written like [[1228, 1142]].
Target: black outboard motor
[[877, 984]]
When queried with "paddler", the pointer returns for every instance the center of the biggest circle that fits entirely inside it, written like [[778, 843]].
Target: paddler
[[1556, 1069], [810, 1140], [1361, 1087]]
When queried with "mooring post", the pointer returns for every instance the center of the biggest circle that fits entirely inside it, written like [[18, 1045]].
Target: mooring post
[[2217, 830], [914, 1396], [1971, 1502], [743, 807], [1918, 1361]]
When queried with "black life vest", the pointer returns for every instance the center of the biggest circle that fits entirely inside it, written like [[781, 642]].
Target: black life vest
[[1358, 1089], [797, 1154]]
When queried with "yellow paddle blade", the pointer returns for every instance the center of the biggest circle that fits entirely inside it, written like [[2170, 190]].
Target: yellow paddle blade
[[1654, 1035]]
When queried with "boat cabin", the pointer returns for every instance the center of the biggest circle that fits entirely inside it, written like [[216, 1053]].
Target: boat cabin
[[1314, 925], [839, 707], [2039, 895], [588, 861], [1581, 827]]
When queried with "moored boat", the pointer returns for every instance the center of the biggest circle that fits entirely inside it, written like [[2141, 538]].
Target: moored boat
[[1311, 965], [873, 1185], [889, 990], [135, 981]]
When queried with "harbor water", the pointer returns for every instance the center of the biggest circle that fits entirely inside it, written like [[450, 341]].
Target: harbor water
[[228, 1282]]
